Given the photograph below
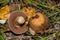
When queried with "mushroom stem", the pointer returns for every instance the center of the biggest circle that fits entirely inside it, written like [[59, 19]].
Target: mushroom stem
[[20, 20]]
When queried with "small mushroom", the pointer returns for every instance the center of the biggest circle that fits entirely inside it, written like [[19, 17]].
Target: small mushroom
[[39, 23], [18, 22]]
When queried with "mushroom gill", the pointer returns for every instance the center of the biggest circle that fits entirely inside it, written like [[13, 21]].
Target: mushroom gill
[[15, 24]]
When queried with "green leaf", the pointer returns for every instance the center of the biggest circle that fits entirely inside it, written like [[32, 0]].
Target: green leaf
[[4, 1], [51, 35], [2, 35]]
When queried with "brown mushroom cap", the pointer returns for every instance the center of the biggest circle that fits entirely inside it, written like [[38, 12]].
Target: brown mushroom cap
[[17, 29], [39, 23]]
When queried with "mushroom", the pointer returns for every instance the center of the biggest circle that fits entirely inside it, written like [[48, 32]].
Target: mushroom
[[39, 23], [18, 22]]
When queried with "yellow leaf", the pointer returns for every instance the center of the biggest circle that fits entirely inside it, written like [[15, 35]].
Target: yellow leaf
[[4, 11]]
